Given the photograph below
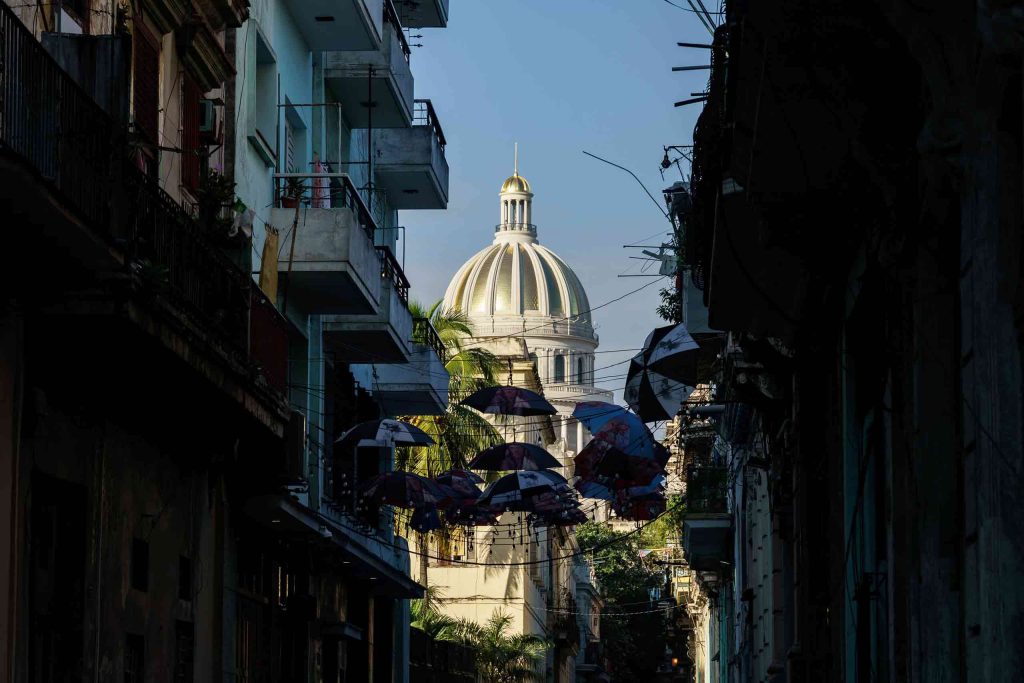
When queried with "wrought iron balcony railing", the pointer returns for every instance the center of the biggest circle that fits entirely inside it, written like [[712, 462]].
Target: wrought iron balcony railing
[[423, 114], [424, 333], [323, 191], [391, 270], [706, 489], [83, 158]]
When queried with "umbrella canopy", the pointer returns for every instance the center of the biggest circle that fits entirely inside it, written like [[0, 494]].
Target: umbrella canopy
[[425, 519], [566, 517], [509, 401], [594, 414], [461, 482], [513, 456], [592, 489], [403, 489], [385, 433], [604, 464], [514, 491], [663, 375], [628, 434]]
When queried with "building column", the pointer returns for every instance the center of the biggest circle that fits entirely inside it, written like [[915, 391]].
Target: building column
[[579, 437]]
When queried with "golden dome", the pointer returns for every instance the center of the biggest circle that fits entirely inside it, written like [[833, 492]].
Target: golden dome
[[516, 183]]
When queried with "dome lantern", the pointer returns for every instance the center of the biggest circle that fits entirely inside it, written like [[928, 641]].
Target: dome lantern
[[516, 206]]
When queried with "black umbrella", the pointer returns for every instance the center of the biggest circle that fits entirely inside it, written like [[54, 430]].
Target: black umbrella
[[385, 433], [516, 491], [403, 489], [663, 375], [509, 401], [513, 456]]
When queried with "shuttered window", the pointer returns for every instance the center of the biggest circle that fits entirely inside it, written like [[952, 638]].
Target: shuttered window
[[145, 83], [190, 160]]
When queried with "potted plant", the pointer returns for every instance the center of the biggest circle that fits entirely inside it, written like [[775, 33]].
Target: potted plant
[[292, 192]]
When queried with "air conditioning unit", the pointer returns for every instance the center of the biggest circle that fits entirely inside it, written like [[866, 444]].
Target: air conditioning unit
[[207, 120]]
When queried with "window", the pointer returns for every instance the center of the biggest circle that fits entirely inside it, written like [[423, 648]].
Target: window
[[559, 368], [145, 83], [579, 370], [190, 147], [263, 102], [184, 578], [140, 564], [184, 652], [134, 658]]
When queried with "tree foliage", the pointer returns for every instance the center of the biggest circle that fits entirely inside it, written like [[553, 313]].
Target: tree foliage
[[634, 643]]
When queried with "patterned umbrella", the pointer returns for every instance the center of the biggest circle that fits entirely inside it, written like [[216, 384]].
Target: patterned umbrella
[[509, 401], [604, 464], [462, 482], [663, 375], [522, 491], [593, 414], [425, 519], [513, 456], [402, 489], [616, 426], [385, 433]]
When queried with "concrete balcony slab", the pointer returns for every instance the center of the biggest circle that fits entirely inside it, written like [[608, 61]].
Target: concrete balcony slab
[[375, 85], [338, 24], [333, 268], [423, 13], [411, 164], [707, 541], [384, 336], [419, 387]]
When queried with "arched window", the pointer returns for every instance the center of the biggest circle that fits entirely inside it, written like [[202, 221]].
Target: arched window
[[579, 370], [559, 369]]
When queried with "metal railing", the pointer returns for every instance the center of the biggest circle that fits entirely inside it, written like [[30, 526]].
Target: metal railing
[[706, 489], [326, 191], [423, 114], [391, 17], [424, 333], [51, 123], [390, 270], [509, 227]]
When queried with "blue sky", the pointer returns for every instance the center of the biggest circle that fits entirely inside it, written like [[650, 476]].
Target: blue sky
[[558, 77]]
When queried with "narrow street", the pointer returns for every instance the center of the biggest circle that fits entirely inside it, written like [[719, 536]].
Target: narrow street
[[448, 341]]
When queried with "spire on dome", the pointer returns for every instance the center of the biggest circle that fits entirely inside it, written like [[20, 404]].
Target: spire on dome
[[515, 167]]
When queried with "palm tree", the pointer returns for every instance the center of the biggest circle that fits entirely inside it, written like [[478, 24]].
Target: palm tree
[[459, 433], [501, 657], [427, 619]]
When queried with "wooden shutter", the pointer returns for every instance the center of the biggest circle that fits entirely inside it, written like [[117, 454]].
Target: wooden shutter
[[145, 83], [190, 166]]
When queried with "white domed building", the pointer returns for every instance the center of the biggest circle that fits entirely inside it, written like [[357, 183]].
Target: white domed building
[[516, 287]]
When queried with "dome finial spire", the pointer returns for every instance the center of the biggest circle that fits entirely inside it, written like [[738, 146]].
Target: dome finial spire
[[515, 168]]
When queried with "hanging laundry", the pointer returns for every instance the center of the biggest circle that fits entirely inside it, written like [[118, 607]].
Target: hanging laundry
[[268, 264], [321, 185]]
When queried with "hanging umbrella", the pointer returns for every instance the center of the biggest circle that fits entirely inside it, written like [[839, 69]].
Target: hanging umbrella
[[663, 375], [594, 414], [607, 465], [566, 517], [509, 401], [514, 491], [629, 435], [471, 515], [513, 456], [461, 482], [385, 433], [425, 519], [462, 473], [402, 489], [592, 489]]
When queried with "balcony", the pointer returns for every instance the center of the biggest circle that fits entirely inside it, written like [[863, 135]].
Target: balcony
[[411, 165], [374, 85], [384, 336], [423, 13], [332, 266], [419, 387], [707, 529], [88, 218], [338, 24]]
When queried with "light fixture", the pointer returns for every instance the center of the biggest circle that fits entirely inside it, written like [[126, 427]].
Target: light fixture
[[275, 520]]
